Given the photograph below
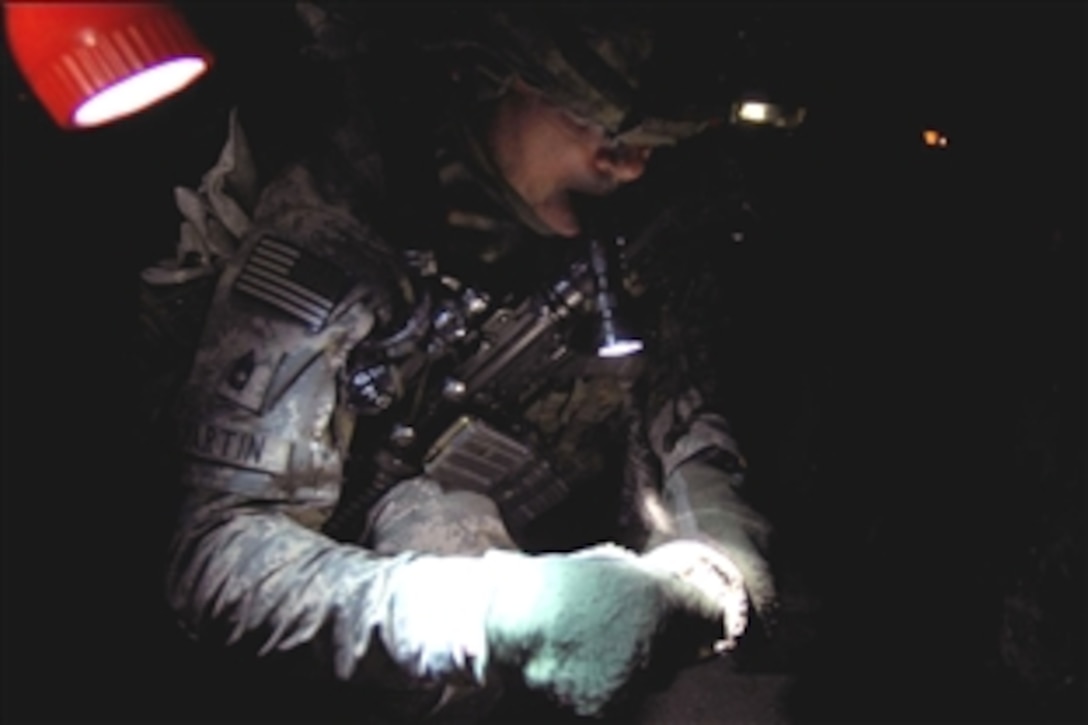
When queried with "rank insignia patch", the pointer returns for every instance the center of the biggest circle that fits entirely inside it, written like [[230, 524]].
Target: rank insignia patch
[[247, 380], [293, 281]]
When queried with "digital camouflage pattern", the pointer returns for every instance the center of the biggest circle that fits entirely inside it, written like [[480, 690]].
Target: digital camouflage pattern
[[605, 67], [265, 431]]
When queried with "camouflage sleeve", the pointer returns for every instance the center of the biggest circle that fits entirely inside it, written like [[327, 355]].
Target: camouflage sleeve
[[686, 436], [684, 427], [688, 375], [702, 495], [701, 463], [263, 438]]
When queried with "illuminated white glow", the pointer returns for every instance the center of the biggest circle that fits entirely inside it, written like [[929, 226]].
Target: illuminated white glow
[[754, 112], [655, 511], [433, 646], [716, 575], [619, 348], [139, 91]]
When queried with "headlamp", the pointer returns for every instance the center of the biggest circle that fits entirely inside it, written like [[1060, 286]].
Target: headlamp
[[759, 110]]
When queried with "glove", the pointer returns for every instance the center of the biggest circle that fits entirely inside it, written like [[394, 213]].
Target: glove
[[725, 522], [713, 573], [581, 628]]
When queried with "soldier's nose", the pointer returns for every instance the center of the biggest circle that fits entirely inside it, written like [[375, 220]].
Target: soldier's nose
[[623, 163]]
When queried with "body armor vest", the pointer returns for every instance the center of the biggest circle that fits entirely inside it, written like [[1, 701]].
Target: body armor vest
[[491, 382], [503, 398]]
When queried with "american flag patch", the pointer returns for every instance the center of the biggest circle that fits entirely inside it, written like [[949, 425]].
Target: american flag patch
[[293, 281]]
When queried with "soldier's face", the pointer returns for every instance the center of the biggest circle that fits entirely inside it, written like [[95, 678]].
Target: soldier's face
[[545, 153]]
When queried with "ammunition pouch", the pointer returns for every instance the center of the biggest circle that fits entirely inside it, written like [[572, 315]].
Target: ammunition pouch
[[472, 455]]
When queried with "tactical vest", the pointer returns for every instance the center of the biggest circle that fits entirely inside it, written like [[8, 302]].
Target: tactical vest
[[491, 383]]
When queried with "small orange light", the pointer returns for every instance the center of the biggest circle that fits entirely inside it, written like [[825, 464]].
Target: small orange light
[[931, 137]]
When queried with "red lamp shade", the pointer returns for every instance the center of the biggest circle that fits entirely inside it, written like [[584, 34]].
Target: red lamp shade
[[93, 63]]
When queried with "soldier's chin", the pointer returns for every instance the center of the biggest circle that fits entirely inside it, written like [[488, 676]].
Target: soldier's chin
[[558, 215], [600, 186]]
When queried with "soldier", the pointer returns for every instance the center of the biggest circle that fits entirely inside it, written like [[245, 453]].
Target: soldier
[[404, 463]]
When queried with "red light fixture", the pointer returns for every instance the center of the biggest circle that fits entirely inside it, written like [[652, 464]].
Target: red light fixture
[[93, 63]]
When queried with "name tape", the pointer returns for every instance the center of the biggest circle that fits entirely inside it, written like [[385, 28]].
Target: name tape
[[243, 449]]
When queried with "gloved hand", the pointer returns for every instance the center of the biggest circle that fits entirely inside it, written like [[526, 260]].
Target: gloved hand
[[713, 573], [581, 628], [717, 516]]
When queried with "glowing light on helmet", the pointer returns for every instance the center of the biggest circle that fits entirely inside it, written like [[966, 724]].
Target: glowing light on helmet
[[760, 110], [754, 112]]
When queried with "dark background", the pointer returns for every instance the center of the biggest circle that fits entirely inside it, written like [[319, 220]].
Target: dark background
[[910, 327]]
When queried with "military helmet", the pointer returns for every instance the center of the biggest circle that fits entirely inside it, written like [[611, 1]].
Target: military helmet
[[646, 75]]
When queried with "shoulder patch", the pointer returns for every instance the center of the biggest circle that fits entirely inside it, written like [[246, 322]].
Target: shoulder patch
[[293, 281]]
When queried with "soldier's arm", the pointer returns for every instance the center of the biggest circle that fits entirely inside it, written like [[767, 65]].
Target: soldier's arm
[[703, 476], [263, 441]]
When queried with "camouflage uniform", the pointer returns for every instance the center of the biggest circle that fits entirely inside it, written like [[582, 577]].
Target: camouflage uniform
[[266, 431]]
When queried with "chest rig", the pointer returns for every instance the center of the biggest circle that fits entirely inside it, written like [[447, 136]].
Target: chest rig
[[460, 389], [466, 391]]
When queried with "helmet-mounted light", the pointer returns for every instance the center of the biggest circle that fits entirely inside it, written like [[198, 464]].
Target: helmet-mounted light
[[758, 109]]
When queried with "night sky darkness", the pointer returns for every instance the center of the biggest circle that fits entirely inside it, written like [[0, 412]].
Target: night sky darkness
[[911, 329]]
